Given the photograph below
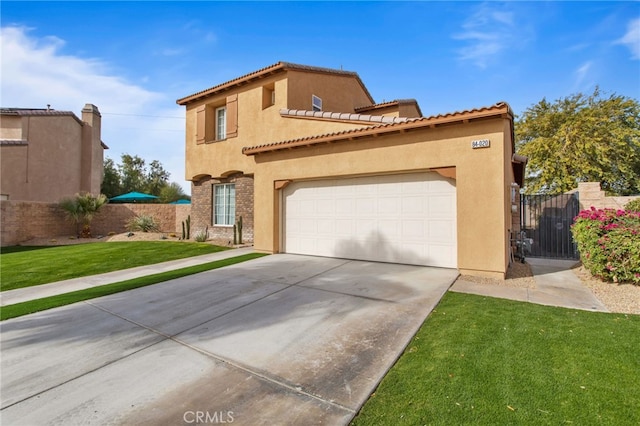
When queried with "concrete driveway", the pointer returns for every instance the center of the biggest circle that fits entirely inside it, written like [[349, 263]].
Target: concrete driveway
[[282, 339]]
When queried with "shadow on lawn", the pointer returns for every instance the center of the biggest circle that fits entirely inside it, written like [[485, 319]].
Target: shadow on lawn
[[20, 249]]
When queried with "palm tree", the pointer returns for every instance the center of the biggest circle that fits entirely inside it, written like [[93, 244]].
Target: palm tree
[[82, 208]]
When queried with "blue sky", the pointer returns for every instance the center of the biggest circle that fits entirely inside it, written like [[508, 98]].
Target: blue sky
[[134, 59]]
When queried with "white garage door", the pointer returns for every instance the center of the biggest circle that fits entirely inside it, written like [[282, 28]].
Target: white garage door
[[409, 218]]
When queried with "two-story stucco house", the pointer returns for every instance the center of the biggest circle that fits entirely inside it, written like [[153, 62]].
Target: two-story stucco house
[[47, 155], [314, 166]]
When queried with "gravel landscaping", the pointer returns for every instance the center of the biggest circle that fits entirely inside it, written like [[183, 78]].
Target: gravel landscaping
[[621, 298]]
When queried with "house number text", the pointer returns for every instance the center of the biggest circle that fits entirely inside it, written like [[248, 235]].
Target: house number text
[[482, 143]]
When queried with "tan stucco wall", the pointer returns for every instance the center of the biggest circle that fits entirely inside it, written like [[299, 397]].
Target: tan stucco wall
[[51, 169], [92, 152], [61, 157], [482, 197], [13, 162], [338, 93], [11, 127], [258, 125]]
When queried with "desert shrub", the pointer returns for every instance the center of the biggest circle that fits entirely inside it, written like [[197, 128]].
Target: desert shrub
[[143, 223], [633, 205], [200, 236], [609, 243]]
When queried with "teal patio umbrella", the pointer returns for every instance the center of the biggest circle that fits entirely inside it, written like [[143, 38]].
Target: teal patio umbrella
[[133, 197]]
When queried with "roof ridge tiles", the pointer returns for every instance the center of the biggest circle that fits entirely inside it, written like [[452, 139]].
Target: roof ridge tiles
[[388, 122], [346, 116], [278, 66]]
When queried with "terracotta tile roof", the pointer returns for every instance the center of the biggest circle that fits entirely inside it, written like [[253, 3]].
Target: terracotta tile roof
[[390, 103], [262, 72], [499, 109], [340, 116]]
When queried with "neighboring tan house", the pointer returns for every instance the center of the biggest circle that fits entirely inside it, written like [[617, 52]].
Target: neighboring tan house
[[314, 166], [47, 155]]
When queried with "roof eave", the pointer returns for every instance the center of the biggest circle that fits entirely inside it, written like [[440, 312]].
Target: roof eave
[[264, 72], [500, 110]]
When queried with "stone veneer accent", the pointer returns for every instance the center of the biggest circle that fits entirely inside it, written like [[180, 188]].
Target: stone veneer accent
[[202, 207]]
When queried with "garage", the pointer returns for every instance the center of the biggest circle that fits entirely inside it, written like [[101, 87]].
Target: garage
[[403, 218]]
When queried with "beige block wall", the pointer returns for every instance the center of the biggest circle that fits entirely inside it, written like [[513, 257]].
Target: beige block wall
[[590, 195], [23, 220], [483, 217]]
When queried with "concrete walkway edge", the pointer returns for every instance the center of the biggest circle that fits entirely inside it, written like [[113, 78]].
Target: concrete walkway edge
[[556, 285], [19, 295]]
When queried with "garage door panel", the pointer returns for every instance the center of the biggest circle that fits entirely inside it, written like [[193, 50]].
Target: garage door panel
[[365, 206], [440, 206], [414, 230], [344, 206], [326, 206], [365, 226], [388, 205], [440, 232], [440, 253], [407, 218], [326, 227]]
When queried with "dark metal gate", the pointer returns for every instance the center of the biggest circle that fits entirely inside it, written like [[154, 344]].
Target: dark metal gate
[[546, 220]]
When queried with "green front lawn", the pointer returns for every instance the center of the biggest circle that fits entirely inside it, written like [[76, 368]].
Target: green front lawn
[[29, 266], [24, 308], [485, 361]]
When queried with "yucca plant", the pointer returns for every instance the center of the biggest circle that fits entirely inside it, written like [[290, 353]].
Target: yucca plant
[[81, 209], [143, 223]]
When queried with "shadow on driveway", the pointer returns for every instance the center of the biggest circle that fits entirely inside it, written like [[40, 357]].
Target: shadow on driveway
[[275, 339]]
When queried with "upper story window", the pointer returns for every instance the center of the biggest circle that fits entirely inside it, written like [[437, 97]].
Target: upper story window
[[316, 103], [217, 121], [268, 95], [221, 123]]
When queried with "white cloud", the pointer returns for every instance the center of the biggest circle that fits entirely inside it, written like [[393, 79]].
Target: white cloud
[[582, 73], [486, 33], [631, 39], [34, 73]]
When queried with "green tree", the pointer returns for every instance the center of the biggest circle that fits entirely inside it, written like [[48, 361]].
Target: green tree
[[581, 139], [132, 173], [82, 208], [111, 185], [172, 192], [156, 179]]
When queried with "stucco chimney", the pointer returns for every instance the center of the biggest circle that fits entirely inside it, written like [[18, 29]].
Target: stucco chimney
[[92, 150]]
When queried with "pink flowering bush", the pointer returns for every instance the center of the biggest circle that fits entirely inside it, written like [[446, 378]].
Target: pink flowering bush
[[609, 243]]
